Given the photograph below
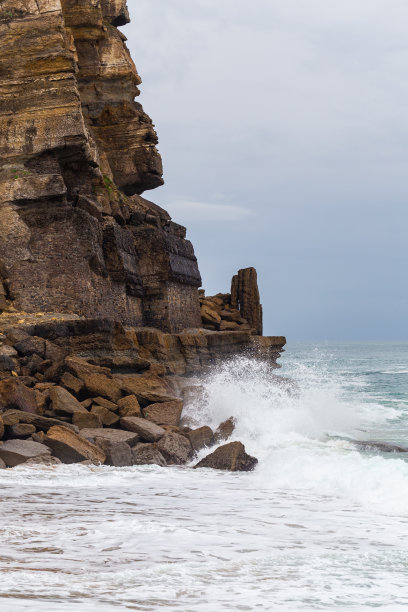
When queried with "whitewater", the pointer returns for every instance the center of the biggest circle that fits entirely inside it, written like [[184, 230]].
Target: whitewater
[[320, 524]]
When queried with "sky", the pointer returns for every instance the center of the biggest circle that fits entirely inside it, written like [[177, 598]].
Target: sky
[[283, 127]]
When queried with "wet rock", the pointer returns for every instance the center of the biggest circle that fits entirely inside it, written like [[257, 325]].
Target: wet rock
[[14, 452], [231, 457], [148, 388], [118, 454], [129, 406], [200, 437], [145, 429], [70, 447], [176, 449], [382, 447], [2, 464], [64, 403], [86, 420], [224, 430], [106, 416], [164, 413], [14, 394], [148, 454], [20, 430], [114, 435], [43, 460]]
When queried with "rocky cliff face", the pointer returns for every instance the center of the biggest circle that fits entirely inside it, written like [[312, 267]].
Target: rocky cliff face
[[76, 152]]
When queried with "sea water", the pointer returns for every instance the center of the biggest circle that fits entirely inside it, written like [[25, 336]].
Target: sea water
[[319, 525]]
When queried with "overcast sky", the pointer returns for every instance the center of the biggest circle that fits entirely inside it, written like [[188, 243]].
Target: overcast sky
[[283, 126]]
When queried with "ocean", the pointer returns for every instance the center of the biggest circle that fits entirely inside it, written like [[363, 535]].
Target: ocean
[[321, 524]]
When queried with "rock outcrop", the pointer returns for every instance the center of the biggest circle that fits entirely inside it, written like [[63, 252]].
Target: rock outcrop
[[101, 317]]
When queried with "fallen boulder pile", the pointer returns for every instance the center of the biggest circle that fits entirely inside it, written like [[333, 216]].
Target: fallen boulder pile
[[66, 409]]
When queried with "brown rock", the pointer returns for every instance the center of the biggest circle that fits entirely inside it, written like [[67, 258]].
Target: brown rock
[[102, 401], [64, 403], [20, 430], [228, 326], [114, 435], [148, 388], [148, 454], [224, 430], [245, 296], [145, 429], [129, 406], [11, 417], [13, 394], [14, 452], [70, 447], [86, 420], [72, 383], [118, 454], [201, 437], [231, 457], [106, 416], [100, 384], [164, 413], [1, 427], [43, 460], [176, 449], [210, 315], [31, 345]]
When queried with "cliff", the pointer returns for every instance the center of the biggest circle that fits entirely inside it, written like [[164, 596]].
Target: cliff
[[101, 317]]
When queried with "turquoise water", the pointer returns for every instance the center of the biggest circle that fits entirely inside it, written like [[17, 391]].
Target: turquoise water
[[319, 525]]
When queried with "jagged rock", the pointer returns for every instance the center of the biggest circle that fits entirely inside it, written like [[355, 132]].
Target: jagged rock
[[224, 430], [14, 394], [8, 360], [14, 452], [148, 388], [102, 401], [245, 296], [164, 413], [114, 435], [11, 417], [176, 449], [64, 403], [106, 416], [148, 454], [72, 383], [231, 457], [31, 345], [200, 437], [210, 315], [129, 406], [118, 454], [70, 447], [86, 420], [20, 430], [145, 429], [229, 326]]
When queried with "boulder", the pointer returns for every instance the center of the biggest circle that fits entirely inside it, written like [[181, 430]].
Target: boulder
[[382, 447], [14, 394], [11, 417], [84, 420], [148, 454], [228, 326], [31, 345], [210, 315], [145, 429], [201, 437], [70, 447], [1, 427], [64, 403], [106, 416], [176, 449], [114, 435], [164, 413], [8, 361], [2, 464], [148, 388], [231, 457], [100, 384], [43, 460], [14, 452], [20, 430], [129, 406], [72, 383], [224, 430], [102, 401], [118, 454]]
